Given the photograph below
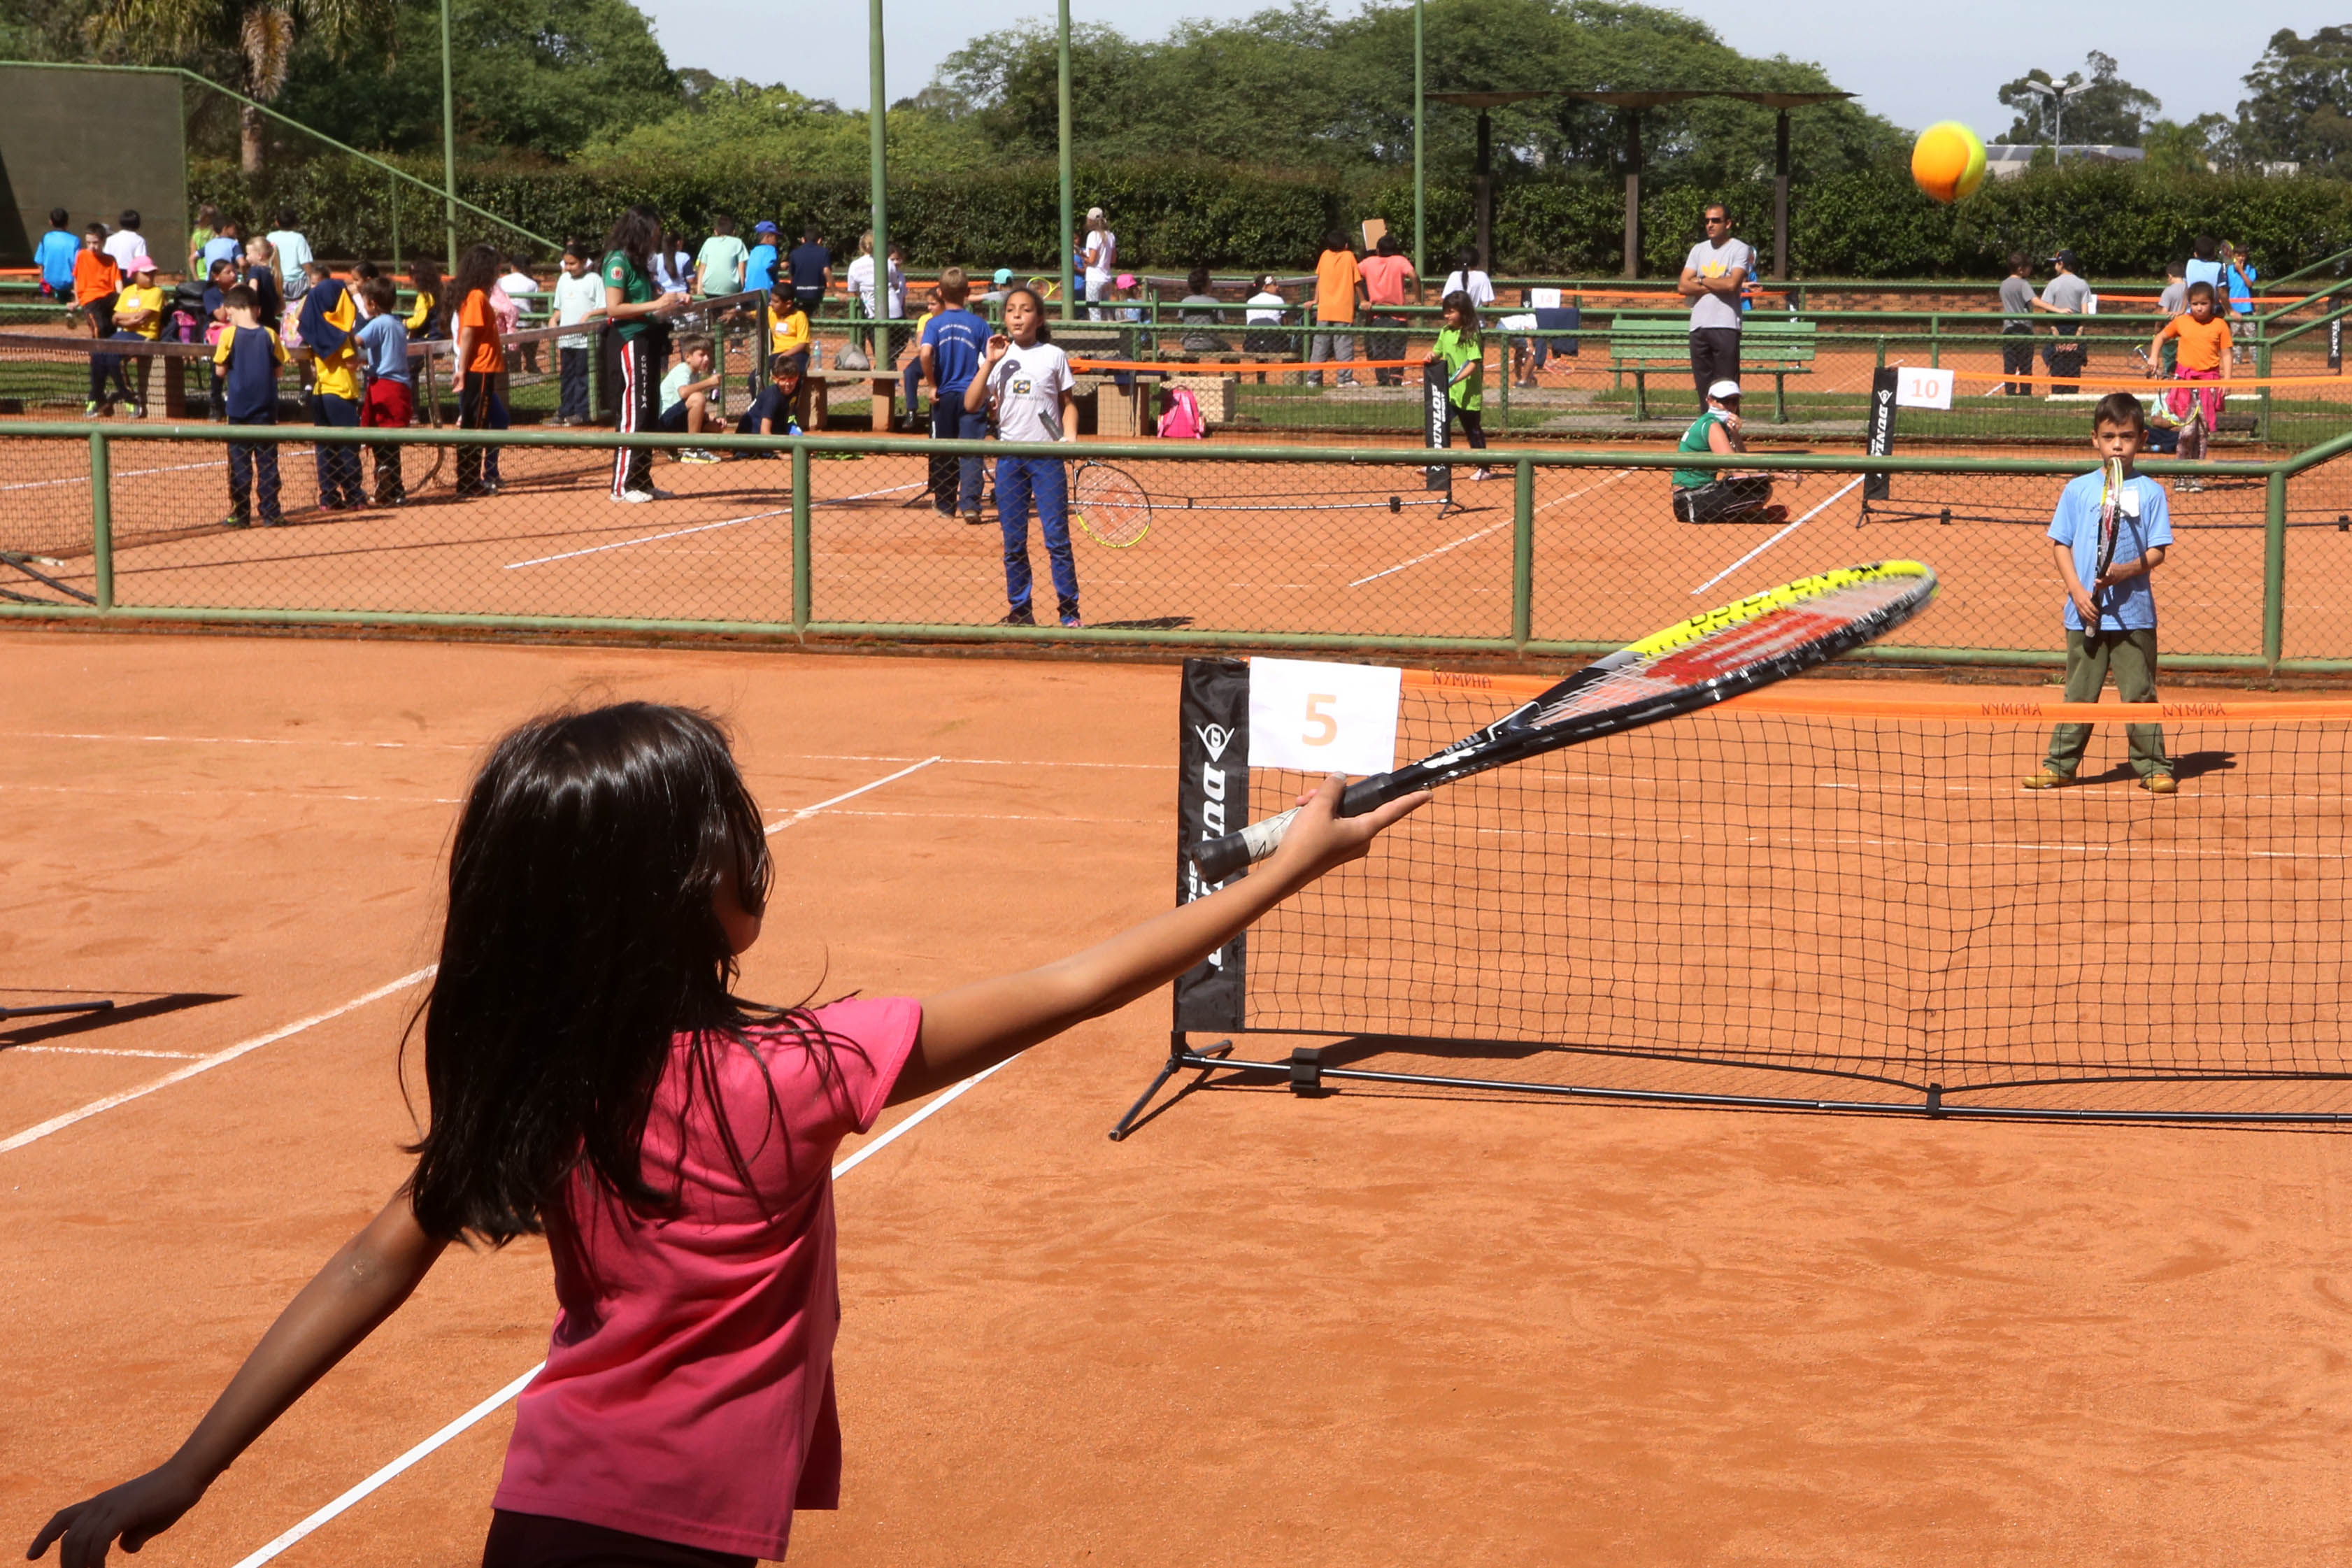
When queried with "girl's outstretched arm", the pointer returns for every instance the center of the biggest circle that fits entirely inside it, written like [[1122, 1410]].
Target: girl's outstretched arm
[[976, 1026], [359, 1287]]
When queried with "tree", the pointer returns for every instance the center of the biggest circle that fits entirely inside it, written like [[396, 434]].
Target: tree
[[252, 41], [2204, 145], [780, 129], [2110, 112], [2296, 109], [545, 77]]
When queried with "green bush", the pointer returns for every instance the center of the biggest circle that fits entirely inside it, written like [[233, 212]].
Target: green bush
[[1172, 214]]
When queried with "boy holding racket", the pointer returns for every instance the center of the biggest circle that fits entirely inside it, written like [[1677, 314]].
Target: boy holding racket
[[2111, 530]]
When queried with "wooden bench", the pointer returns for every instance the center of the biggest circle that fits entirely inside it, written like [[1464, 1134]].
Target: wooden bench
[[882, 386], [1777, 348]]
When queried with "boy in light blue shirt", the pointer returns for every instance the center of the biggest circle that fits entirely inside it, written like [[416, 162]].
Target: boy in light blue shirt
[[718, 268], [2110, 616], [759, 270], [55, 257]]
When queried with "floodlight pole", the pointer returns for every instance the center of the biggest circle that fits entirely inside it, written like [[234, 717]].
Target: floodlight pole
[[448, 145], [878, 126], [1780, 198], [1069, 206], [1419, 189], [1632, 192]]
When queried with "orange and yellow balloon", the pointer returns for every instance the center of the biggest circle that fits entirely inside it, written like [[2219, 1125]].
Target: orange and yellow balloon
[[1948, 162]]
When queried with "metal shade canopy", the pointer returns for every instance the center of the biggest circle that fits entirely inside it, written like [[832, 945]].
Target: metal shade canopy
[[1632, 103]]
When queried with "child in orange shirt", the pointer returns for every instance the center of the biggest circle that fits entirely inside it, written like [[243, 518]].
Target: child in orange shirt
[[97, 280], [2201, 340]]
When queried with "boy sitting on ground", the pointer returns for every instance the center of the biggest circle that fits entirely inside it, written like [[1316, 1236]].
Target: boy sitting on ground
[[2111, 616], [685, 398], [1701, 496]]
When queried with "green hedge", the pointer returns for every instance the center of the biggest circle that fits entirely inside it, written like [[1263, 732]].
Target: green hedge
[[2121, 221]]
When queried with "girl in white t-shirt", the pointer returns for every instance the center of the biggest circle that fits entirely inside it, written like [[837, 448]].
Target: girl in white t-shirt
[[1465, 278], [1266, 309], [1025, 384], [1102, 256]]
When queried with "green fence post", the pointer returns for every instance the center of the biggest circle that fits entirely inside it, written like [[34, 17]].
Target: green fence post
[[1935, 340], [2262, 369], [102, 519], [800, 537], [2275, 568], [1523, 550], [1881, 354]]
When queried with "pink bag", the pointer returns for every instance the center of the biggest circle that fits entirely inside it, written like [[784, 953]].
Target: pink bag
[[1182, 421]]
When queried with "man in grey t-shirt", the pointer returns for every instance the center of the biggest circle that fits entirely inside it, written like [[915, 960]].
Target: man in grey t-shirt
[[2064, 295], [2017, 324], [1717, 269]]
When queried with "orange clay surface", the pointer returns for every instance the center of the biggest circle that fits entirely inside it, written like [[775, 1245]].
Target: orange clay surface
[[1359, 1330]]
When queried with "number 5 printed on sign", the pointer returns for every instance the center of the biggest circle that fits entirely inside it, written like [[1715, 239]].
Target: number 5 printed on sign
[[1323, 718]]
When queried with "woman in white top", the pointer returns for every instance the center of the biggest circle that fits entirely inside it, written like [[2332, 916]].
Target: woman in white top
[[1102, 257], [861, 291], [1026, 383], [1465, 278]]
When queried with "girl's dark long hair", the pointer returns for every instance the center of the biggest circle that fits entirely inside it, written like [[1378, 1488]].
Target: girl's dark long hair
[[581, 942], [1037, 301], [477, 272], [636, 235]]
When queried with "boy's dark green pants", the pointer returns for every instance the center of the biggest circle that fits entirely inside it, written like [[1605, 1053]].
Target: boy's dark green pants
[[2131, 656]]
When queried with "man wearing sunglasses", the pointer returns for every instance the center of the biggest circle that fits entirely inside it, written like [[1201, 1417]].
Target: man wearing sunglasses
[[1718, 267]]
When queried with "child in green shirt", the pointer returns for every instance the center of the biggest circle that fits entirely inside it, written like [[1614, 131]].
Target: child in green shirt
[[1462, 352]]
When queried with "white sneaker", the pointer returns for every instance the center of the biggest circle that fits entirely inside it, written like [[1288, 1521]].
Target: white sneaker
[[697, 455], [635, 497]]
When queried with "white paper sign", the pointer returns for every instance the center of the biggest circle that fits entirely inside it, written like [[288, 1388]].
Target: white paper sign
[[1544, 299], [2090, 304], [1918, 386], [1323, 718]]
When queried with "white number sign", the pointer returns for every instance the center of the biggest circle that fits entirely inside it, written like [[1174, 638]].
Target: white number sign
[[1919, 386], [1323, 718]]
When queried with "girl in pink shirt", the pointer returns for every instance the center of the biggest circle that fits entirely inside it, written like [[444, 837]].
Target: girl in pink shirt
[[594, 1077]]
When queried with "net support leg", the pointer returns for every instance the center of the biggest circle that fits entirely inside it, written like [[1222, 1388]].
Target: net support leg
[[1181, 1058], [55, 1009]]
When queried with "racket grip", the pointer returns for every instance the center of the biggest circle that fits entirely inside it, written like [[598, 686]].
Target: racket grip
[[1218, 858]]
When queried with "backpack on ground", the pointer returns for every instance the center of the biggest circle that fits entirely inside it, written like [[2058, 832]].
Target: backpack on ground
[[1181, 419]]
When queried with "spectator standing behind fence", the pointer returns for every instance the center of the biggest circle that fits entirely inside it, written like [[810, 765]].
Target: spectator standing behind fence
[[2017, 325], [200, 234], [289, 251], [760, 261], [1098, 254], [954, 343], [579, 297], [1261, 320], [1339, 285], [2064, 295], [479, 362], [521, 286], [639, 314], [428, 321], [390, 400], [245, 362], [2241, 279], [126, 243], [2204, 265], [260, 275], [54, 256], [810, 266], [330, 322], [890, 307], [719, 266], [1388, 281], [224, 246], [1468, 278], [96, 281], [1025, 380], [1713, 275]]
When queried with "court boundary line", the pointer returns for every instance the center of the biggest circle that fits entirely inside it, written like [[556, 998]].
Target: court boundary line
[[204, 1064], [648, 538], [1473, 538], [1784, 533], [327, 1512]]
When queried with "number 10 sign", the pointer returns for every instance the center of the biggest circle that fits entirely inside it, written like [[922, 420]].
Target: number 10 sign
[[1323, 718]]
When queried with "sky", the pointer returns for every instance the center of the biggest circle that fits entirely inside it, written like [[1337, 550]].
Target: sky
[[1879, 49]]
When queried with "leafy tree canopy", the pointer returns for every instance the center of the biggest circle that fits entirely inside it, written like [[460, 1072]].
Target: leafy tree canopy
[[2299, 91], [778, 128], [2109, 111]]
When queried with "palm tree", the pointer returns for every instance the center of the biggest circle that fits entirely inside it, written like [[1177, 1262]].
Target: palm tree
[[258, 35]]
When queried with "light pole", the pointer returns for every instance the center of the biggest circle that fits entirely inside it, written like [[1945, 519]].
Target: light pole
[[1069, 205], [877, 125], [1419, 193], [2054, 96], [448, 145]]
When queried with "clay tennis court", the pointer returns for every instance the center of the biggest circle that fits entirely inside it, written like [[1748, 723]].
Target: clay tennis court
[[1354, 1330], [1359, 548]]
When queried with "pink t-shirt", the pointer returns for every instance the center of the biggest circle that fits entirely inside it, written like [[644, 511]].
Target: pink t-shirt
[[689, 1389], [503, 307], [1385, 278]]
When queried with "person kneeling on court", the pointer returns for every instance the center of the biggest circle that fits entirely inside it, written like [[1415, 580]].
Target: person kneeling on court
[[1704, 496], [685, 398], [2110, 607]]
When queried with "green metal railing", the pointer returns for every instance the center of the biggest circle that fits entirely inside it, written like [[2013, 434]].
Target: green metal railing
[[1527, 586]]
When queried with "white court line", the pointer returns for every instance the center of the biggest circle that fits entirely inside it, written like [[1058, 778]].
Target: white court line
[[205, 1064], [488, 1407], [1776, 538], [127, 474], [1471, 537], [648, 538], [795, 818], [99, 1051]]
